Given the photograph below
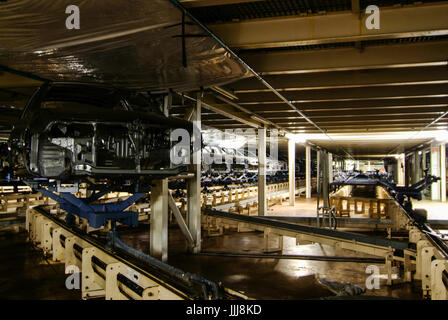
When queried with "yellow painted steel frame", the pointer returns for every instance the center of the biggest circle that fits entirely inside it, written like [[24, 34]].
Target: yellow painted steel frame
[[431, 266], [62, 245], [11, 202], [426, 263]]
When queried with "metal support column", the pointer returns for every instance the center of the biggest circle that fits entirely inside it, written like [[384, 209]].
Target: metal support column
[[414, 167], [318, 165], [330, 167], [325, 179], [401, 170], [417, 166], [423, 166], [159, 220], [435, 171], [292, 171], [408, 171], [262, 202], [194, 184], [167, 103], [308, 172], [323, 170], [443, 172]]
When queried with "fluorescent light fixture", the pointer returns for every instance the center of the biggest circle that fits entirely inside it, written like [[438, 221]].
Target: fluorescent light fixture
[[381, 136], [442, 136]]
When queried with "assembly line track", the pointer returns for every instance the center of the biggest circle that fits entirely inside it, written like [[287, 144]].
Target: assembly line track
[[295, 228], [354, 222], [163, 274]]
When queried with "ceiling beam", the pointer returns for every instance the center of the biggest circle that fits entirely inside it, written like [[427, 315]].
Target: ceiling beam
[[401, 22], [361, 126], [343, 129], [340, 59], [357, 116], [368, 112], [440, 90], [343, 79], [378, 128], [229, 112], [395, 128], [356, 7], [210, 3], [327, 123], [354, 105]]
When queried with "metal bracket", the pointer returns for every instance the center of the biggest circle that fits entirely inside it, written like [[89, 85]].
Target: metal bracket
[[96, 214]]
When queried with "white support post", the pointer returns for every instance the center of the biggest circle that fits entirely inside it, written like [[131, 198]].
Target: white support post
[[435, 171], [330, 167], [262, 203], [419, 166], [194, 184], [292, 171], [415, 167], [424, 167], [443, 172], [159, 220], [408, 170], [318, 158], [325, 179], [308, 172], [401, 170], [167, 102]]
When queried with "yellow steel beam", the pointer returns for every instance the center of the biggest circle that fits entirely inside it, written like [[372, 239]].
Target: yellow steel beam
[[382, 56], [209, 3], [403, 22]]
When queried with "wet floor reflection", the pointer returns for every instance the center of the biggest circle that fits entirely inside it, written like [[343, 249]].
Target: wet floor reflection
[[25, 274]]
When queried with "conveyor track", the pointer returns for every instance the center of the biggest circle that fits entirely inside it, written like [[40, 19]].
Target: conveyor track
[[188, 286], [343, 236]]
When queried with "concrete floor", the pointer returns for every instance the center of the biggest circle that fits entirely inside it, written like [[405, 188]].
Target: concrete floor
[[26, 275], [303, 208], [307, 208], [270, 278]]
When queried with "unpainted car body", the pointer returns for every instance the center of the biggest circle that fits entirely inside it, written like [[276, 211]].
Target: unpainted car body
[[71, 130]]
